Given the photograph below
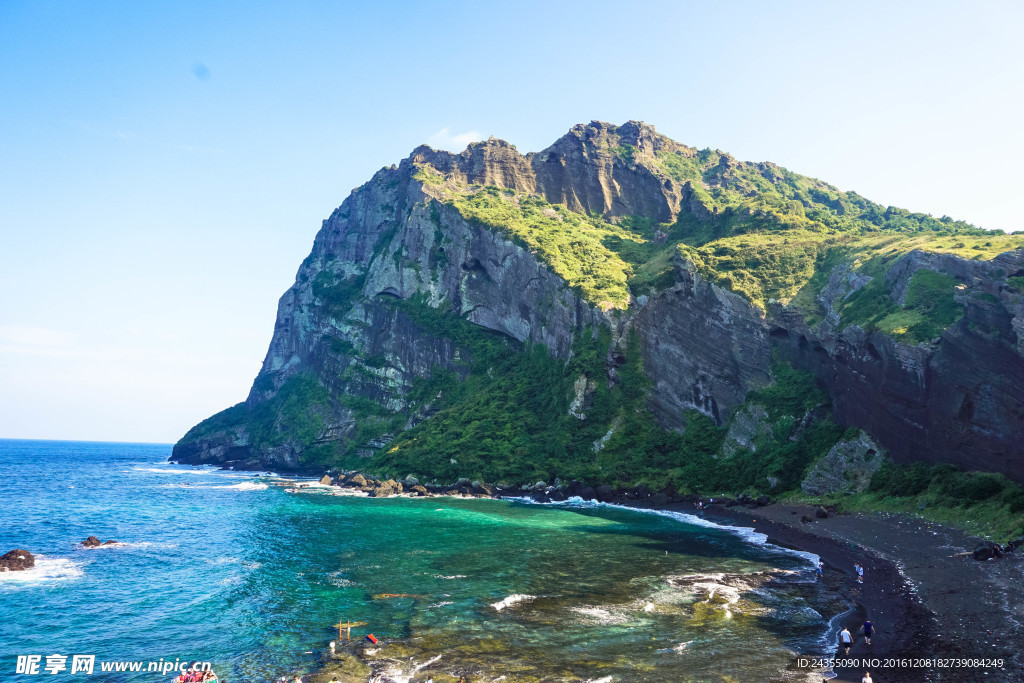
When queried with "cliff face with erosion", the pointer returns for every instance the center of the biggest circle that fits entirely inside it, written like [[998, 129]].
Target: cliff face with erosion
[[362, 329]]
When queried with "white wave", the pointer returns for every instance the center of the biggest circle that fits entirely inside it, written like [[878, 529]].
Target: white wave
[[244, 486], [201, 470], [171, 470], [606, 679], [746, 533], [511, 600], [46, 570], [453, 576], [324, 489], [441, 604], [396, 674]]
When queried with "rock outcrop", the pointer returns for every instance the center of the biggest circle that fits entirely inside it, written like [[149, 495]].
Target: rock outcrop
[[847, 468], [17, 561], [94, 542]]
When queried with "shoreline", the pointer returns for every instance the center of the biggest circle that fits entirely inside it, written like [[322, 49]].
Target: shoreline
[[924, 601], [903, 624]]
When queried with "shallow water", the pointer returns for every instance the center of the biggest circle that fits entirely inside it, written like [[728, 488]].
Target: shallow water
[[231, 568]]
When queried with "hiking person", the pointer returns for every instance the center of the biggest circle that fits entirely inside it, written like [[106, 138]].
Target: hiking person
[[860, 572], [819, 568], [869, 629], [846, 639]]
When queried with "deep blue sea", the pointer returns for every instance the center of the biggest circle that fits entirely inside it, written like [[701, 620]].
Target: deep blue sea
[[241, 570]]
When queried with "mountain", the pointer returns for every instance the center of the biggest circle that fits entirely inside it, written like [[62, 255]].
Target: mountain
[[621, 308]]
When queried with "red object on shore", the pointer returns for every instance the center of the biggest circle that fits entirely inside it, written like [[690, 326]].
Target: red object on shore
[[372, 638]]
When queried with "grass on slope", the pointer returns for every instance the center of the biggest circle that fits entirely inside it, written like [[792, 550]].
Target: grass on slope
[[929, 308], [793, 266], [569, 242]]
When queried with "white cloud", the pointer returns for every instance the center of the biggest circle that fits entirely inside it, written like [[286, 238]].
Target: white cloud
[[444, 139], [28, 335]]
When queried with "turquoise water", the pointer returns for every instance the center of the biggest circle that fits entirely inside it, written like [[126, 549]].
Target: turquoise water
[[233, 569]]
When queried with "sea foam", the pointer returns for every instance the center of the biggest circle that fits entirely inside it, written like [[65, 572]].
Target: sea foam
[[46, 570], [511, 600], [746, 533], [244, 486]]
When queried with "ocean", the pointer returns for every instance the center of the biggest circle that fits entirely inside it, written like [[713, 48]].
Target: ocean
[[241, 570]]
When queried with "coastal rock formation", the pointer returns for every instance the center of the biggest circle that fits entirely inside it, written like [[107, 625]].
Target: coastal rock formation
[[94, 542], [370, 342], [16, 561], [847, 468]]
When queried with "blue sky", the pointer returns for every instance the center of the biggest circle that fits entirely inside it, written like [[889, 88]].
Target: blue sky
[[164, 166]]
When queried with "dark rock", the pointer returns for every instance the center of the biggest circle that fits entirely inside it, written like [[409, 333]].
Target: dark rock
[[642, 491], [986, 550], [110, 542], [419, 490], [806, 518], [659, 499], [17, 560], [385, 489], [482, 489], [91, 542], [821, 513], [357, 480], [605, 493], [763, 500], [588, 493]]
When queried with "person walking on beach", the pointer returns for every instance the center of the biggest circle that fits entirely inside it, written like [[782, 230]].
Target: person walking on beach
[[867, 678], [869, 629], [860, 572], [819, 568], [846, 639]]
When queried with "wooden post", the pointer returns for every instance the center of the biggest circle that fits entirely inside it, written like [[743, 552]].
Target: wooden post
[[347, 625]]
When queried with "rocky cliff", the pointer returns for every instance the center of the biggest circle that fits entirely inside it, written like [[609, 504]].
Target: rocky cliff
[[660, 283]]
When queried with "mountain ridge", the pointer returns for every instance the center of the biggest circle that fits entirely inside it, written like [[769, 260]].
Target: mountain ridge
[[699, 274]]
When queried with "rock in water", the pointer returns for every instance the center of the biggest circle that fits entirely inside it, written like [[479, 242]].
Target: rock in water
[[326, 479], [17, 561], [91, 542]]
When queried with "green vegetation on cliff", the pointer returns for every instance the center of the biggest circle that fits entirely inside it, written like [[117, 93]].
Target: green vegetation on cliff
[[571, 243], [293, 416], [510, 420], [929, 308]]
